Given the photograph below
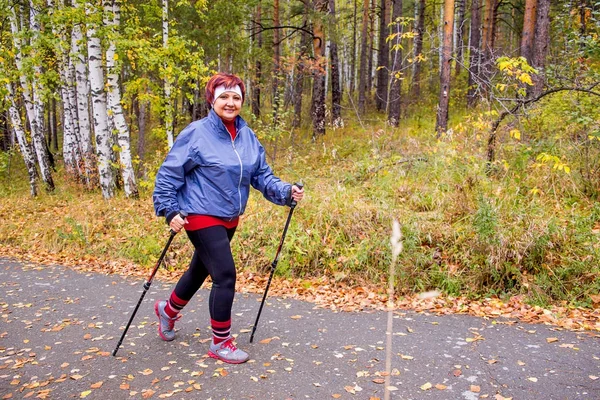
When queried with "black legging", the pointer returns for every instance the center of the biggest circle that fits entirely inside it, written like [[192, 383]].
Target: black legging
[[212, 256]]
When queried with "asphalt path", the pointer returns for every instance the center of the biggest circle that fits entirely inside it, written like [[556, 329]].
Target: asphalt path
[[59, 327]]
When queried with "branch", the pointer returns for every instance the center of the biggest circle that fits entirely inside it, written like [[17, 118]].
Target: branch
[[294, 30], [523, 103]]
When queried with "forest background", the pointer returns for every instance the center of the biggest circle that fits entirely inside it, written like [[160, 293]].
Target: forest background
[[473, 123]]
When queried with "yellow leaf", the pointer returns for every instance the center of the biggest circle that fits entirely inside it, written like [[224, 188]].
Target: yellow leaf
[[426, 386], [515, 133], [85, 394]]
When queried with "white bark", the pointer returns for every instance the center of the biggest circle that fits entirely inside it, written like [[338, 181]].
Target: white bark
[[103, 135], [26, 153], [112, 13], [166, 78], [71, 150], [78, 60]]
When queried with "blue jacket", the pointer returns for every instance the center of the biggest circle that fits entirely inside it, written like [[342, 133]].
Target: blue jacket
[[208, 173]]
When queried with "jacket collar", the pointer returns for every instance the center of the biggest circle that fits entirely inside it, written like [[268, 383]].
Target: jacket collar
[[220, 126]]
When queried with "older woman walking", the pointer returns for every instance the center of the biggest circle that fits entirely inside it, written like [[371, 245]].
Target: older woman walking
[[208, 174]]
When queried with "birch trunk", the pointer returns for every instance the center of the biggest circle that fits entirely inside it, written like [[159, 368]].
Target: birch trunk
[[103, 135], [112, 11], [418, 49], [26, 153], [166, 78], [71, 151], [37, 122], [79, 61]]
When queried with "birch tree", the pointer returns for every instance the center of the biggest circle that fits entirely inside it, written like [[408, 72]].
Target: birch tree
[[31, 90], [78, 58], [24, 147], [112, 12], [418, 50], [99, 108], [72, 156]]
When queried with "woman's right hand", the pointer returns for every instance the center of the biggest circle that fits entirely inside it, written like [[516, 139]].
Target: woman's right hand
[[177, 223]]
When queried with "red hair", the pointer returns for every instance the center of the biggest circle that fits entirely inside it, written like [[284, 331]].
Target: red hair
[[227, 80]]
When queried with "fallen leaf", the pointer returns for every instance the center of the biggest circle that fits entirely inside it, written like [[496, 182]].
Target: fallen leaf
[[97, 385], [379, 380], [296, 316], [146, 394], [147, 371], [593, 377], [426, 386], [439, 386], [475, 389], [336, 395], [551, 339], [532, 379], [85, 394]]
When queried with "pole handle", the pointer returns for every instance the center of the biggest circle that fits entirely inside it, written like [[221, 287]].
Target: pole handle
[[183, 215], [294, 203]]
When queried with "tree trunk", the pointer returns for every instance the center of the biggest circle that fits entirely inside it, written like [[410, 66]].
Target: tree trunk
[[474, 53], [527, 36], [168, 108], [336, 91], [418, 49], [276, 62], [26, 153], [383, 58], [394, 101], [96, 78], [460, 33], [370, 48], [257, 67], [112, 12], [300, 72], [143, 109], [441, 124], [37, 122], [362, 70], [353, 56], [79, 60], [486, 65], [318, 98], [540, 45]]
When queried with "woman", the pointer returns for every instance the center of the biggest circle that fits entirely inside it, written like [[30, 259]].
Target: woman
[[208, 174]]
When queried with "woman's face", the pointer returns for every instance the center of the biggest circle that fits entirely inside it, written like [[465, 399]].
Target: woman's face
[[228, 105]]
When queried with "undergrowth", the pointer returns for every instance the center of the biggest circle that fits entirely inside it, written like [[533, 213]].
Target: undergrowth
[[528, 225]]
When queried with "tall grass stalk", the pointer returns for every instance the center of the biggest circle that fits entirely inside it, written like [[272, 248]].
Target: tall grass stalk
[[396, 244]]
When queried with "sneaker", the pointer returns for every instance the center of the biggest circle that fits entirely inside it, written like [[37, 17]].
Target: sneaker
[[227, 352], [166, 324]]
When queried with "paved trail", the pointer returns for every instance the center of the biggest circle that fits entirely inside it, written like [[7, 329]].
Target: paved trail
[[58, 328]]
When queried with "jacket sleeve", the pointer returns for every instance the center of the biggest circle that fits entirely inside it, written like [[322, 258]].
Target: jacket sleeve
[[273, 189], [171, 175]]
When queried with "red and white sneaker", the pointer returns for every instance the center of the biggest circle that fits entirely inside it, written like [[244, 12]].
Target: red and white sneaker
[[227, 352]]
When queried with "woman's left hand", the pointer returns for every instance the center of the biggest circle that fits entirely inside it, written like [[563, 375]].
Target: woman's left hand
[[297, 193]]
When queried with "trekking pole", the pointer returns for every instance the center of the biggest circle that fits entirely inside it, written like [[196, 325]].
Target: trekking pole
[[147, 284], [274, 263]]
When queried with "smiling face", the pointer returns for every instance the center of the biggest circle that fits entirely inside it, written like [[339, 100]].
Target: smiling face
[[228, 105]]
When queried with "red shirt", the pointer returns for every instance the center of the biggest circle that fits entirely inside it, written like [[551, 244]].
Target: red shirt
[[196, 222]]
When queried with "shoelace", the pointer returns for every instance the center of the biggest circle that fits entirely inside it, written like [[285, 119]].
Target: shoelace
[[171, 321], [228, 344]]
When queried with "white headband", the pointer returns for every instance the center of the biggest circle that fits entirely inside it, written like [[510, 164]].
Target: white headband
[[219, 90]]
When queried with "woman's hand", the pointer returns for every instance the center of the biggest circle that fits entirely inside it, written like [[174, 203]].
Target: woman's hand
[[297, 193], [177, 223]]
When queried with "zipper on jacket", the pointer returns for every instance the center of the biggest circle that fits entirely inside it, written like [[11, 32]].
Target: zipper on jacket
[[241, 172]]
